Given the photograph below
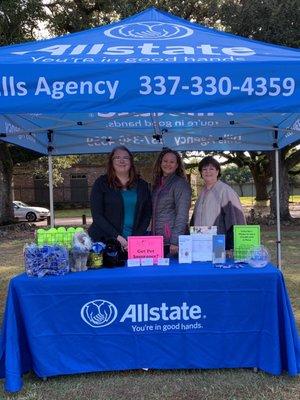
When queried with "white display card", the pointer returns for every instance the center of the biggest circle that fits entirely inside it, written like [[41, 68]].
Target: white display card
[[133, 262], [185, 249]]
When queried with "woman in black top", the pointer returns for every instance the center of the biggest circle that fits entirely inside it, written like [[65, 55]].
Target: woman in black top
[[120, 200]]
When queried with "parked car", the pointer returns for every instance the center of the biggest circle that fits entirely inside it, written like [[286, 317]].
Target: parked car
[[30, 213]]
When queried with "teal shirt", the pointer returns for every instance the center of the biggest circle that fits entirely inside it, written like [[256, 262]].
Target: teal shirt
[[129, 201]]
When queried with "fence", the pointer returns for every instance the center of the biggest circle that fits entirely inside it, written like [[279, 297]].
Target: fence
[[79, 195], [62, 195]]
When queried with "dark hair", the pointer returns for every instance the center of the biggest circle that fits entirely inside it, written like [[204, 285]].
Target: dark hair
[[113, 180], [209, 160], [157, 171]]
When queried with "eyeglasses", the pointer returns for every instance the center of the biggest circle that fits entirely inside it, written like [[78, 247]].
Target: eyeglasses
[[209, 168], [118, 158]]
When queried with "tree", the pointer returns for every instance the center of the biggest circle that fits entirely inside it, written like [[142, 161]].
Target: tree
[[276, 22], [273, 21], [6, 168], [59, 164], [9, 156], [259, 166], [205, 11], [18, 22], [238, 176], [67, 16], [289, 158]]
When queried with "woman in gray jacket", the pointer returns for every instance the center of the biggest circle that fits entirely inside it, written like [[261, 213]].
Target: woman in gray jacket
[[171, 199]]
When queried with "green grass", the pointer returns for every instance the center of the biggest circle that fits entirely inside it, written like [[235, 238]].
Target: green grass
[[72, 213], [230, 384], [250, 201], [246, 201]]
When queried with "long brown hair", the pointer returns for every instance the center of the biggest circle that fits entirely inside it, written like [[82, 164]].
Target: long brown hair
[[113, 180], [157, 171]]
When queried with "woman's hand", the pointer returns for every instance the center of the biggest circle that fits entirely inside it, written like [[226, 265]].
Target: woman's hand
[[123, 242], [173, 249]]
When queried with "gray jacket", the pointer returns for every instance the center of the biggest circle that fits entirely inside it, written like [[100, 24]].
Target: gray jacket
[[171, 203]]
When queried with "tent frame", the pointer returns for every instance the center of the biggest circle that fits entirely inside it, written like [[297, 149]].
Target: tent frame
[[278, 225]]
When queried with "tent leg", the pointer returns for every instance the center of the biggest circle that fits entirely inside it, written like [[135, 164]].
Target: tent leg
[[278, 242], [50, 168]]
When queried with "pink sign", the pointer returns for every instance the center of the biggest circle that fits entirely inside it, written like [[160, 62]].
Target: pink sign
[[146, 247]]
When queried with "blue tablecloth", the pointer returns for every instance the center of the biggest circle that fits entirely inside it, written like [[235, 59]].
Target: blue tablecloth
[[181, 316]]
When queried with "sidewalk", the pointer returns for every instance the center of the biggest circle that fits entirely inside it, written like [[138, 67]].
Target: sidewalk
[[70, 221]]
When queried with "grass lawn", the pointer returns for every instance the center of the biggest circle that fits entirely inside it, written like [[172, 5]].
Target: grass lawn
[[231, 384], [250, 201], [246, 201], [72, 213]]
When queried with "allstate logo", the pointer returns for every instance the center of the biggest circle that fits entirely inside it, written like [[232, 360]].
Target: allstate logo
[[149, 30], [99, 313]]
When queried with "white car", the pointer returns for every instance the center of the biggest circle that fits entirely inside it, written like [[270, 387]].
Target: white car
[[24, 211]]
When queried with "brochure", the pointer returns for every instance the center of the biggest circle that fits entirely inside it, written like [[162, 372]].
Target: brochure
[[218, 253], [202, 242], [202, 247], [185, 249]]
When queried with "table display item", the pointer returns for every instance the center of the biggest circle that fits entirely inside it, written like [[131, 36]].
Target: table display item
[[202, 242], [163, 261], [229, 265], [133, 262], [245, 238], [258, 257], [205, 229], [113, 255], [45, 260], [79, 253], [95, 259], [61, 236], [146, 261], [218, 249], [146, 247], [185, 249], [202, 246]]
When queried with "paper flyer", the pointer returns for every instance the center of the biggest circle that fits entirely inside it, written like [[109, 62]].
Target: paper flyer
[[245, 237], [146, 247]]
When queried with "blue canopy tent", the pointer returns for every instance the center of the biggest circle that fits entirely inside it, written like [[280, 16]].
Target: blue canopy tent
[[149, 81]]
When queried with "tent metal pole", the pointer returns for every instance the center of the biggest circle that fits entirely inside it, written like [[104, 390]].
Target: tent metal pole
[[50, 176], [278, 242], [50, 169]]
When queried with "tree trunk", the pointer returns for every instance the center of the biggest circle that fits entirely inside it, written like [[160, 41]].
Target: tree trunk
[[284, 189], [261, 181], [6, 172], [241, 189]]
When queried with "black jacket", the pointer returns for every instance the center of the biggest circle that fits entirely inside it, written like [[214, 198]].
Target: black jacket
[[108, 210]]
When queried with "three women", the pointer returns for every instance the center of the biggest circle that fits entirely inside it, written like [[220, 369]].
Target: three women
[[121, 201]]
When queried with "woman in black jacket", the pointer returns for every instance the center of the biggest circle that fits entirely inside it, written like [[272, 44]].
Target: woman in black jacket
[[120, 200]]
